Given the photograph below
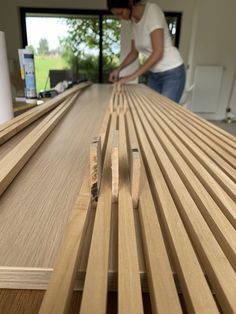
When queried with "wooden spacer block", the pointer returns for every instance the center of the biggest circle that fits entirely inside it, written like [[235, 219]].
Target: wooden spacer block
[[118, 87], [135, 174], [112, 99], [95, 167], [115, 166]]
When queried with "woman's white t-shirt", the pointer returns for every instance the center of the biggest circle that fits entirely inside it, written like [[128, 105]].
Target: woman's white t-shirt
[[153, 18]]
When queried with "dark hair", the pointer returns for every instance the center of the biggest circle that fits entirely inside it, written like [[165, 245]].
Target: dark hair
[[121, 3]]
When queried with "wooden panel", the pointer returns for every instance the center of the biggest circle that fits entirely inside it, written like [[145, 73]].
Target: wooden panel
[[43, 195]]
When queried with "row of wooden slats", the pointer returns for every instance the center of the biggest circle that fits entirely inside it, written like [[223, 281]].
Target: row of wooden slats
[[184, 226], [201, 193], [186, 213]]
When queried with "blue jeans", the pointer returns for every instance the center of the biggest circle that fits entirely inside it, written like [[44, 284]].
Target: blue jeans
[[168, 83]]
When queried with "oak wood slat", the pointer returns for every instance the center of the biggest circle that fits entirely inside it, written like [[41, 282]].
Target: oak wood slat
[[135, 173], [163, 293], [220, 273], [17, 124], [95, 294], [115, 166], [129, 286], [58, 295], [195, 289], [55, 172], [95, 166]]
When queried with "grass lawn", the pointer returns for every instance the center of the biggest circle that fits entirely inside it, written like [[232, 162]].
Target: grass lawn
[[42, 66]]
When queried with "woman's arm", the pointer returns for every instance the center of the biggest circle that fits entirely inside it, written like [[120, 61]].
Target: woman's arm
[[157, 39], [130, 58]]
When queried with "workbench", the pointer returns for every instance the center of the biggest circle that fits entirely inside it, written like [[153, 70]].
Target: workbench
[[191, 172]]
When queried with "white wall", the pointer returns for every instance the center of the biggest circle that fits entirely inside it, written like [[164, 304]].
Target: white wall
[[216, 44], [207, 34]]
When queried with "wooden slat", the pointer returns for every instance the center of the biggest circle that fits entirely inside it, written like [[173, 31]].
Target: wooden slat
[[135, 171], [55, 171], [95, 167], [17, 124], [115, 166], [196, 291], [129, 286], [95, 294], [220, 273], [58, 296], [13, 162], [164, 297]]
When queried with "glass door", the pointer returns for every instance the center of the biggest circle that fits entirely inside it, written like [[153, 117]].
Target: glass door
[[72, 47]]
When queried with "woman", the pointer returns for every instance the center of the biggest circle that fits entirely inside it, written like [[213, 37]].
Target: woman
[[150, 36]]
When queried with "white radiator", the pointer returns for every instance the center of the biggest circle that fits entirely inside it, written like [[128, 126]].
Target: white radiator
[[208, 80], [233, 98]]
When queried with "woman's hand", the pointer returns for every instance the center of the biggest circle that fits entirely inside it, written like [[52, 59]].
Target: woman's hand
[[114, 75], [127, 78]]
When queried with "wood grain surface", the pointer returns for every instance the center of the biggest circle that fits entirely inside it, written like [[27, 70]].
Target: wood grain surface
[[45, 190], [181, 237]]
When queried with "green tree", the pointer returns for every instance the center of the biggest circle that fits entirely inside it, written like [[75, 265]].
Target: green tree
[[31, 48], [43, 48], [82, 42], [111, 39]]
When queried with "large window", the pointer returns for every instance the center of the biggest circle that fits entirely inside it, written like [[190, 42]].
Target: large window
[[77, 44], [71, 44]]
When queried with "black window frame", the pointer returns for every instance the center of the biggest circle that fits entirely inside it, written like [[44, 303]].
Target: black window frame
[[178, 16], [98, 13]]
